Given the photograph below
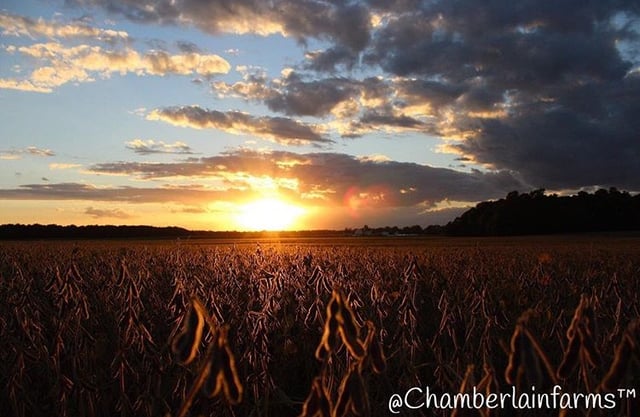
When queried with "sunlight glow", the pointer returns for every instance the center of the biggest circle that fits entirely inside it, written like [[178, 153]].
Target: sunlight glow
[[268, 214]]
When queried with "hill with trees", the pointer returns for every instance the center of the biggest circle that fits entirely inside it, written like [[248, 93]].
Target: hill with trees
[[539, 213]]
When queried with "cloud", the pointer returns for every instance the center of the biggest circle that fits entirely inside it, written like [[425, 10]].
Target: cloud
[[310, 98], [385, 120], [14, 25], [549, 92], [375, 158], [192, 210], [30, 150], [331, 59], [23, 85], [354, 107], [591, 142], [56, 165], [547, 95], [188, 47], [346, 188], [161, 63], [544, 91], [329, 178], [148, 147], [277, 129], [108, 213], [57, 63], [138, 195], [345, 23], [82, 63], [291, 94]]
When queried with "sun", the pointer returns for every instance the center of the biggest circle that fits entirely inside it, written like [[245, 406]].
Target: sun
[[268, 214]]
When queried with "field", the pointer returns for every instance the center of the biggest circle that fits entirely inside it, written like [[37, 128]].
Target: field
[[314, 327]]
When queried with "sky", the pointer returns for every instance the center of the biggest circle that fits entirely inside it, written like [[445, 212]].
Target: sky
[[309, 114]]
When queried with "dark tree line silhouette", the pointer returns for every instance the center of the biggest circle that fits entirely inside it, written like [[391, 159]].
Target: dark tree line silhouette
[[538, 213], [54, 231]]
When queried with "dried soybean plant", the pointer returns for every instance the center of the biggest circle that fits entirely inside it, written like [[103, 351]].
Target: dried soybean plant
[[581, 348], [528, 364], [628, 346], [342, 329], [468, 386], [217, 373]]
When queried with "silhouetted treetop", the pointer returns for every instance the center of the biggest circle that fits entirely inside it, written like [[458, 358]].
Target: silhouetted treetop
[[538, 213]]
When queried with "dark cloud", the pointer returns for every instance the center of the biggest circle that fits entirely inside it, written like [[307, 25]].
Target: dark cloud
[[384, 120], [310, 98], [278, 129], [345, 23], [188, 47], [293, 94], [330, 59], [377, 118], [570, 144], [436, 94], [86, 192], [334, 177], [360, 106], [108, 213], [541, 89]]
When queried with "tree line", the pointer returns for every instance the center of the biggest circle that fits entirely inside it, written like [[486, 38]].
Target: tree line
[[538, 213], [54, 231]]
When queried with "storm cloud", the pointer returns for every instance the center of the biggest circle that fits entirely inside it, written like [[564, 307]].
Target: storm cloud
[[544, 90]]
